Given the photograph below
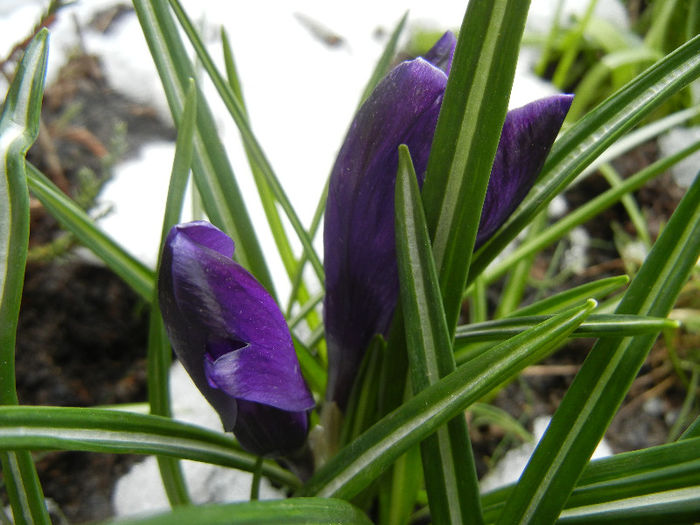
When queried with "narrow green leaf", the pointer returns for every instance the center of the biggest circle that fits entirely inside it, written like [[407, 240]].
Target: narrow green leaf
[[119, 432], [519, 275], [212, 170], [297, 280], [363, 460], [571, 50], [309, 511], [159, 351], [638, 473], [312, 303], [361, 411], [485, 413], [602, 383], [182, 163], [478, 304], [614, 179], [253, 148], [601, 325], [587, 211], [313, 372], [590, 136], [19, 127], [693, 430], [382, 66], [266, 195], [399, 487], [568, 298], [134, 273], [630, 474], [640, 135], [592, 83], [448, 461], [380, 69], [660, 24], [673, 506], [23, 488], [466, 138]]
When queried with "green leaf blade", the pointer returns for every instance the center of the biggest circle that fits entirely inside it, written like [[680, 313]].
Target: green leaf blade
[[568, 298], [19, 127], [600, 325], [601, 384], [120, 432], [466, 138], [133, 272], [212, 170], [448, 463], [590, 136], [253, 149], [363, 460], [159, 351], [309, 511], [627, 475]]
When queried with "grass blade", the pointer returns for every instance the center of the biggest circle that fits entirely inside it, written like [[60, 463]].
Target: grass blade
[[626, 475], [363, 460], [448, 461], [601, 325], [384, 63], [212, 170], [134, 273], [587, 211], [19, 127], [590, 136], [568, 298], [673, 506], [159, 351], [466, 138], [119, 432], [600, 386], [252, 146], [309, 511]]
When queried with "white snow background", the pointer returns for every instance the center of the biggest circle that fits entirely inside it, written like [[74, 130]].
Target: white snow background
[[301, 95]]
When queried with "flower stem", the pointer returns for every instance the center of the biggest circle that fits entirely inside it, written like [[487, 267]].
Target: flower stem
[[257, 475]]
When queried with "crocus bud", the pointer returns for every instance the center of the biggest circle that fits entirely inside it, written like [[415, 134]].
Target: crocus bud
[[360, 260], [233, 341]]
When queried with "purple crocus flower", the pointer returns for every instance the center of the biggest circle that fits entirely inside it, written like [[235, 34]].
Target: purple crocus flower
[[233, 341], [360, 261]]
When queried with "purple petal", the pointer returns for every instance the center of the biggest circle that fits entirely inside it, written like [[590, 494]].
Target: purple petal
[[224, 326], [360, 261], [270, 384], [187, 336], [440, 55], [527, 136], [269, 431]]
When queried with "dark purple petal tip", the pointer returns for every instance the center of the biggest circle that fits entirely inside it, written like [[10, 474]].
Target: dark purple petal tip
[[527, 136], [440, 55], [231, 337]]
